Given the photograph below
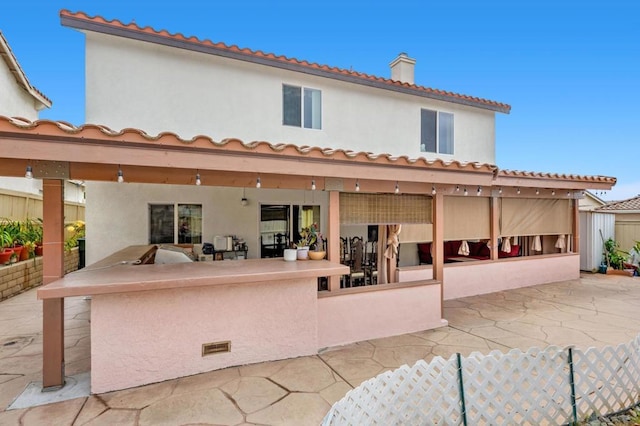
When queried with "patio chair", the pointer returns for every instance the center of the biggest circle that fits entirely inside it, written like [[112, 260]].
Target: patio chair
[[357, 276]]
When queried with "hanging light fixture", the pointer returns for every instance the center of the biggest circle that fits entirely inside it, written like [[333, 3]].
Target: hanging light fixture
[[313, 184], [457, 188], [479, 191], [29, 172], [500, 191], [553, 192], [357, 186], [537, 191], [568, 194], [258, 183], [518, 191], [465, 192], [198, 180], [244, 200], [433, 190], [397, 190], [120, 175]]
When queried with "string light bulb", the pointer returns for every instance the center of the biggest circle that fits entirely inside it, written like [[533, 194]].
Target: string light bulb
[[397, 190], [479, 191], [500, 191], [120, 175], [553, 192], [198, 180], [258, 183], [465, 192], [29, 172], [457, 188], [537, 191], [313, 184], [357, 186], [518, 191], [433, 190]]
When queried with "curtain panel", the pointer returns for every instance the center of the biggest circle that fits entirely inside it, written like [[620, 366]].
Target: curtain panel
[[531, 216], [467, 218]]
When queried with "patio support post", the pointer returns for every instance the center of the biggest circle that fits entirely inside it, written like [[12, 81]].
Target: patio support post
[[333, 250], [53, 269], [576, 226], [495, 227], [438, 245]]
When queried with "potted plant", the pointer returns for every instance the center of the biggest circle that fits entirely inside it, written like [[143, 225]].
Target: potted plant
[[317, 249], [308, 236]]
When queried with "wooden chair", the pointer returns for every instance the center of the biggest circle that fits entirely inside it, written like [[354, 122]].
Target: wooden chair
[[357, 276], [371, 262]]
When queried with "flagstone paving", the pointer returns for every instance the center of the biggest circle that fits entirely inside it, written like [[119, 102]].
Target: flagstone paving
[[595, 310]]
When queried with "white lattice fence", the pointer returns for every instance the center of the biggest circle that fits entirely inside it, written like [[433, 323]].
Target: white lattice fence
[[532, 387]]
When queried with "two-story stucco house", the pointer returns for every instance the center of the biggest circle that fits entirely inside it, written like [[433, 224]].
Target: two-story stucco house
[[220, 141]]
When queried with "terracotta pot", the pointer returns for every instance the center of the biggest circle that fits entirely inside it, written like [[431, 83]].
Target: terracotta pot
[[39, 250], [317, 255], [24, 254], [5, 255], [18, 251]]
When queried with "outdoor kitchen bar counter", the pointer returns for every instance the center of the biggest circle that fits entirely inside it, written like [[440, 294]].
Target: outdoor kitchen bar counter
[[120, 273], [153, 322]]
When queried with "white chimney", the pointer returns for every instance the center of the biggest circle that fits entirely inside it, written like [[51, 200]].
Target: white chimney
[[402, 68]]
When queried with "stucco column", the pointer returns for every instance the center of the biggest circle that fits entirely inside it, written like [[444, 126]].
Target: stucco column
[[438, 245], [53, 269], [495, 227], [576, 226], [333, 251]]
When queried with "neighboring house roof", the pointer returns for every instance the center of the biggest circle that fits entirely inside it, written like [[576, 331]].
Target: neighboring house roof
[[14, 67], [81, 21], [632, 205], [556, 176]]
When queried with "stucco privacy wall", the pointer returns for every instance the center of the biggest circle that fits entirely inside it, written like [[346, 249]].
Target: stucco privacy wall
[[122, 210], [159, 88], [349, 318], [487, 277], [165, 344]]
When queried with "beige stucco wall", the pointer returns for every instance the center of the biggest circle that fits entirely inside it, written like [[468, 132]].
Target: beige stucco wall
[[157, 88], [117, 214], [14, 100]]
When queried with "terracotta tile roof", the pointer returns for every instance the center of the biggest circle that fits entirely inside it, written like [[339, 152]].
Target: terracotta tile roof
[[632, 204], [556, 176], [14, 67], [136, 137], [82, 21]]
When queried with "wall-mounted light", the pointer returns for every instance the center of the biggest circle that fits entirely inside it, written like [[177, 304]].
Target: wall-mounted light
[[357, 186], [479, 191], [258, 183], [313, 184], [433, 190], [29, 172], [465, 192], [120, 175], [244, 202], [397, 189], [198, 180]]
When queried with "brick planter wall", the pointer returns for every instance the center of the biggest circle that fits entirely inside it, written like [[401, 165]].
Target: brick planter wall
[[27, 274]]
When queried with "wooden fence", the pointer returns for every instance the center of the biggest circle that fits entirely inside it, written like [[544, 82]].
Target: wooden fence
[[20, 206]]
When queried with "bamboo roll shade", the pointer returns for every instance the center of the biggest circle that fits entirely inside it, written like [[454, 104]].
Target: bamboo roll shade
[[384, 208]]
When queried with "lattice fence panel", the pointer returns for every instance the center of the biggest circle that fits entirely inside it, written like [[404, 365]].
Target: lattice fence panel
[[529, 387], [418, 395], [607, 379]]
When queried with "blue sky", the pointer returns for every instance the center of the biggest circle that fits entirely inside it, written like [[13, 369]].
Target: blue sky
[[569, 69]]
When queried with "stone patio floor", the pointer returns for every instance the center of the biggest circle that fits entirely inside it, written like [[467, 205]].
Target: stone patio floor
[[595, 310]]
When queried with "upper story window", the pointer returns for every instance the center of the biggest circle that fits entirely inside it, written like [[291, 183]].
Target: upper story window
[[436, 132], [301, 106]]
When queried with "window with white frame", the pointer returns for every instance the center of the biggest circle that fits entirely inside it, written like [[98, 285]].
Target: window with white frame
[[436, 133], [175, 223], [301, 107]]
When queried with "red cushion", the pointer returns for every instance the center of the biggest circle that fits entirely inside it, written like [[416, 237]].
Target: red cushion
[[424, 252], [513, 253], [451, 248], [484, 251]]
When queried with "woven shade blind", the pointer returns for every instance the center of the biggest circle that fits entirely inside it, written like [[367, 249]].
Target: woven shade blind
[[416, 233], [530, 216], [384, 208], [467, 218]]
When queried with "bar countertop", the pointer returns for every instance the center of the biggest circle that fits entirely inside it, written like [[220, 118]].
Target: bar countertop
[[116, 274]]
